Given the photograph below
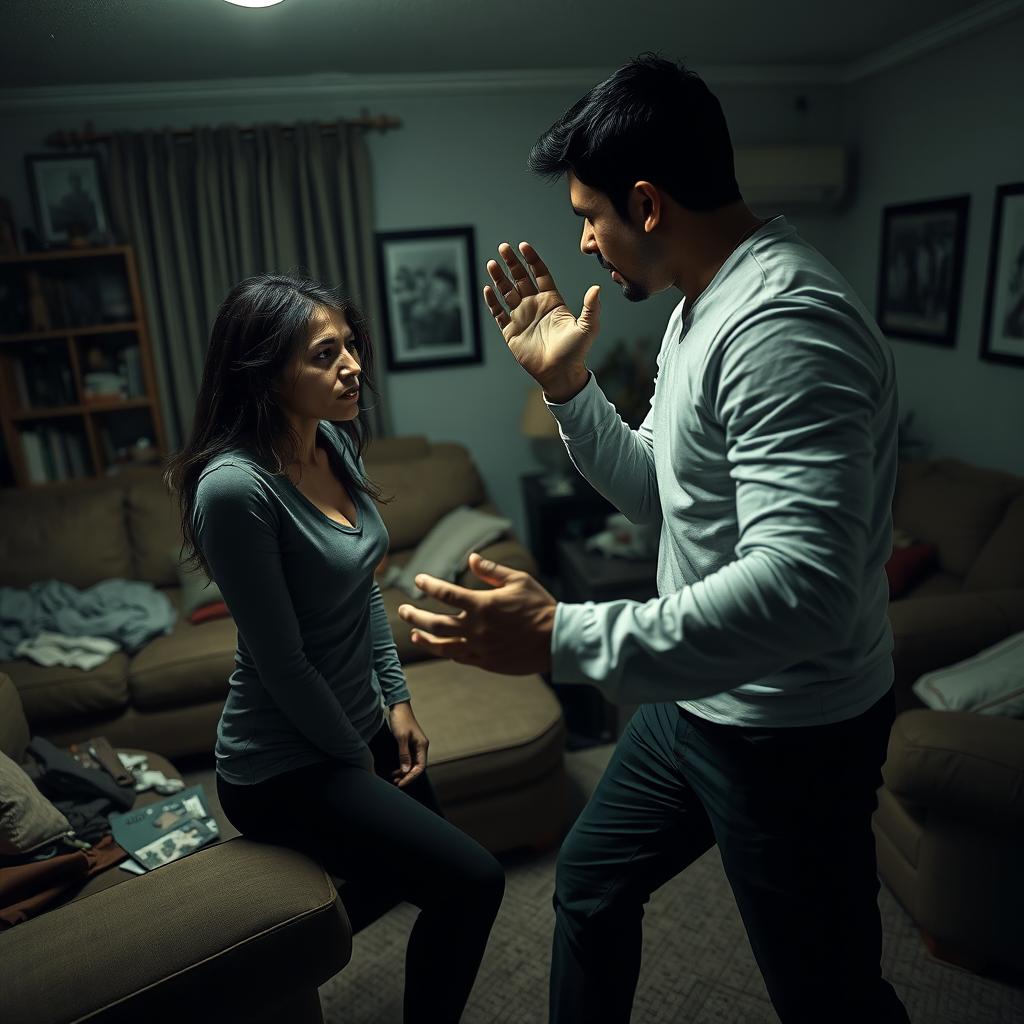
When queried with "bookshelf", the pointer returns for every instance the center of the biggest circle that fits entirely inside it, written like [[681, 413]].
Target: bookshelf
[[78, 394]]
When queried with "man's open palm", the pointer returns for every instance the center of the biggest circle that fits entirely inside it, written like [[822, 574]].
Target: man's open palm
[[538, 327]]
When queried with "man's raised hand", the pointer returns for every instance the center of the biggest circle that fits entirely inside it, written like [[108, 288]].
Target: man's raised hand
[[546, 339]]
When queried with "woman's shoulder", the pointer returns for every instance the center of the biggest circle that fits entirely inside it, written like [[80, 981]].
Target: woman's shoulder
[[230, 476]]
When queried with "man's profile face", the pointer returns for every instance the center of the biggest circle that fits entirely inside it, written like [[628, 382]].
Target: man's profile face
[[620, 247]]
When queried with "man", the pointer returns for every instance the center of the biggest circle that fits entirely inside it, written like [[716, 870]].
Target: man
[[769, 457]]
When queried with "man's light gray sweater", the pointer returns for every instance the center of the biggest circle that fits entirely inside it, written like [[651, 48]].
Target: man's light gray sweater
[[769, 457]]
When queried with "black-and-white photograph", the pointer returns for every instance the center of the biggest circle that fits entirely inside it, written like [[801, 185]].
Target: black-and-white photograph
[[69, 198], [1002, 339], [430, 297], [921, 269]]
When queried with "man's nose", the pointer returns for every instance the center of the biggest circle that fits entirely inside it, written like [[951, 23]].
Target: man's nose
[[587, 242]]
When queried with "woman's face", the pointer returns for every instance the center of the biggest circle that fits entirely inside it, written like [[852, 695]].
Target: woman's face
[[321, 380]]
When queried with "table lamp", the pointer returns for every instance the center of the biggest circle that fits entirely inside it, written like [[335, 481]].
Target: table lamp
[[541, 428]]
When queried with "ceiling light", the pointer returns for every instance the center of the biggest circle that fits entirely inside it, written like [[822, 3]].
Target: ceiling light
[[255, 3]]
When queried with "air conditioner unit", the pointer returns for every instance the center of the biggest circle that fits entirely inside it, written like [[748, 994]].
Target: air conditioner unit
[[786, 176]]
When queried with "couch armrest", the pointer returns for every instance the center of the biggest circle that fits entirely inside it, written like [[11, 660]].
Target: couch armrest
[[931, 632], [226, 929], [14, 734], [961, 764]]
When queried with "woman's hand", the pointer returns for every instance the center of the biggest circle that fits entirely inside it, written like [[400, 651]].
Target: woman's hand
[[412, 745]]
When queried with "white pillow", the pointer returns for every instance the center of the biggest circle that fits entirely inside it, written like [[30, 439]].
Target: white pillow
[[990, 683], [445, 551]]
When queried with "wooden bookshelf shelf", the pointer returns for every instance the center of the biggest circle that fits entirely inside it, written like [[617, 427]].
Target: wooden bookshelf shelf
[[51, 429], [54, 411], [71, 332], [49, 255]]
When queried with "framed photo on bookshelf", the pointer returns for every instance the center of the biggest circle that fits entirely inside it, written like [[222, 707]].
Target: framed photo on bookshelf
[[69, 198], [1002, 339], [921, 269]]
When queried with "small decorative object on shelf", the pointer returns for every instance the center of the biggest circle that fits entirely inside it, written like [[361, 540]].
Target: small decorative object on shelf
[[77, 386]]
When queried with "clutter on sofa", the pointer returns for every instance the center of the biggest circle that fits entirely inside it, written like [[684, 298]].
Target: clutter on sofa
[[76, 919], [127, 613], [444, 552]]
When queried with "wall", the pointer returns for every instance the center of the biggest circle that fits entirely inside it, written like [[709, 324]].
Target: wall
[[458, 159], [946, 124]]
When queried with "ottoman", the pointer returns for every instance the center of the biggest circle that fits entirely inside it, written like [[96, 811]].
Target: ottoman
[[496, 754]]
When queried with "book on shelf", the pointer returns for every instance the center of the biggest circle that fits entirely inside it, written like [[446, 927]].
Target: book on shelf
[[21, 384], [32, 446], [132, 359], [53, 454], [48, 381], [57, 460]]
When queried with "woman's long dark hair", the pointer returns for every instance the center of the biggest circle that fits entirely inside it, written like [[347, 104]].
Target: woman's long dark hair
[[258, 327]]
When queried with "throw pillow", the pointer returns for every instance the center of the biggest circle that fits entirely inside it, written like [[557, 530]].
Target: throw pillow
[[990, 683], [907, 565], [196, 589], [445, 551], [27, 819], [217, 610]]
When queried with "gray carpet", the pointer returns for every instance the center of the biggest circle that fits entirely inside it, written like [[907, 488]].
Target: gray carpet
[[697, 964]]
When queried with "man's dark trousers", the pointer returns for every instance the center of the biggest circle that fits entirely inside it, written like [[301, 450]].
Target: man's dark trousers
[[790, 810]]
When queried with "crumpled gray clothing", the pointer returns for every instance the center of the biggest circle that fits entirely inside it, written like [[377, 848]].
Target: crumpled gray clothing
[[129, 612]]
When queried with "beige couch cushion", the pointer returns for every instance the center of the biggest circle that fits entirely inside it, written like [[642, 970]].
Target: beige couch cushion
[[487, 732], [1000, 564], [58, 693], [190, 665], [953, 505], [74, 534], [154, 529], [424, 489]]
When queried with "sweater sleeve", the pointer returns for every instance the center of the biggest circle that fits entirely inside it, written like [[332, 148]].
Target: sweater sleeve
[[798, 434], [385, 654], [237, 531]]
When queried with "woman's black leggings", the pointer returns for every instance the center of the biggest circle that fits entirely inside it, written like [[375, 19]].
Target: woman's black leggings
[[389, 844]]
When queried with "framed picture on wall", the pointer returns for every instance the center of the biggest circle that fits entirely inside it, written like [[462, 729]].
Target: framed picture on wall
[[1002, 337], [430, 297], [921, 269], [69, 198]]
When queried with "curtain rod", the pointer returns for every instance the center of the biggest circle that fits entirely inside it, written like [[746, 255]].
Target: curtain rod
[[67, 139]]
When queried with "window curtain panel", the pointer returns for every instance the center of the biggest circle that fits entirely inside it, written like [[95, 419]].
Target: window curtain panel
[[207, 210]]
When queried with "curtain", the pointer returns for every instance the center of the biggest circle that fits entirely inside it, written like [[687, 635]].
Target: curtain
[[205, 211]]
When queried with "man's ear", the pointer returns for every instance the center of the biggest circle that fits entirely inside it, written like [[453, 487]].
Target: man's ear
[[646, 205]]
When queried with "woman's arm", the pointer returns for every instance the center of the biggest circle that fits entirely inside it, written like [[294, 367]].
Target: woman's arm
[[237, 530], [385, 654]]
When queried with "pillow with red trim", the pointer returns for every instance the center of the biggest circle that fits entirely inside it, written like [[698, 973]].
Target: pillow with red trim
[[217, 610], [909, 564]]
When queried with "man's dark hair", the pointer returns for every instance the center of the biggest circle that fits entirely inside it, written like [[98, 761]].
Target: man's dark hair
[[652, 120]]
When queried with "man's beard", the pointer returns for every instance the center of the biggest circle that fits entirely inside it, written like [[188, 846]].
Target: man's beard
[[631, 291]]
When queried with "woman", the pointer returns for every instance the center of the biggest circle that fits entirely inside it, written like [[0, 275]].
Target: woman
[[317, 745]]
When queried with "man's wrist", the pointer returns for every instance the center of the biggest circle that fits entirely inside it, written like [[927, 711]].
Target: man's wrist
[[565, 385]]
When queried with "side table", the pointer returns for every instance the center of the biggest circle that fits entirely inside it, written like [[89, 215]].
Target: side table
[[590, 576]]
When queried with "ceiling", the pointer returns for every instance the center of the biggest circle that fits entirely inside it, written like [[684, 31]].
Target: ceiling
[[68, 42]]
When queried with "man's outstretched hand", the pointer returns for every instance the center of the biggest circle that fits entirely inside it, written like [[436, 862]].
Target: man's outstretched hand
[[505, 630], [547, 340]]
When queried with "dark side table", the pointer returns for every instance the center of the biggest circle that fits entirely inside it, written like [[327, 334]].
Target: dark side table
[[590, 576]]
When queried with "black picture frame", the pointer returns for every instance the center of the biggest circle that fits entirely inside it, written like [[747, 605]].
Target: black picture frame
[[87, 199], [921, 268], [429, 298], [1002, 336]]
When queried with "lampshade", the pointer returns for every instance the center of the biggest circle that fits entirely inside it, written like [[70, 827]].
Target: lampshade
[[537, 420]]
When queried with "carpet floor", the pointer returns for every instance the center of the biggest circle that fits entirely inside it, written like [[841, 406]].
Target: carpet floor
[[697, 964]]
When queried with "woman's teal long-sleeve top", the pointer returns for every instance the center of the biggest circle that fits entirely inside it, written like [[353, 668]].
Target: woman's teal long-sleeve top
[[316, 663]]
